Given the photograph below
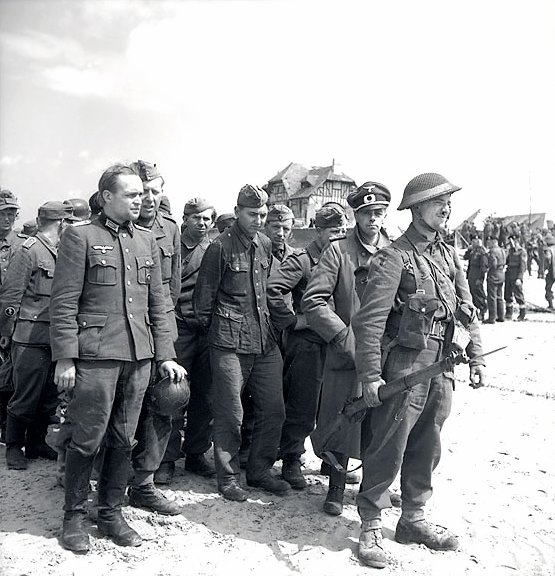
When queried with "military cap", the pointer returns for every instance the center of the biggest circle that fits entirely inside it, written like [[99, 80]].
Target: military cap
[[251, 196], [29, 227], [225, 220], [146, 170], [329, 217], [165, 205], [424, 187], [279, 213], [196, 205], [369, 194], [549, 239], [54, 210], [81, 208], [335, 205], [8, 202]]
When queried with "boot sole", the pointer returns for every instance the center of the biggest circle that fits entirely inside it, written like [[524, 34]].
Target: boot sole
[[118, 541]]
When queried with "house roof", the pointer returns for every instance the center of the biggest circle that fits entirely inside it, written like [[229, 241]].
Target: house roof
[[316, 178]]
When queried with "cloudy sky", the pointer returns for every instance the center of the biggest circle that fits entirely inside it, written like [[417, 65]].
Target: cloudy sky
[[220, 93]]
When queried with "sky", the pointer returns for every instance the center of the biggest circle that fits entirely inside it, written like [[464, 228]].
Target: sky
[[223, 93]]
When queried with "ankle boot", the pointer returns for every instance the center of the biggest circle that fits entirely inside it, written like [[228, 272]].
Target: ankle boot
[[15, 439], [508, 312], [111, 492], [333, 504], [35, 442], [77, 474], [521, 314]]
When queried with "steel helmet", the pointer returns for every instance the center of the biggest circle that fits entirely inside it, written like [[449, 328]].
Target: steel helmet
[[167, 398], [425, 186], [81, 209]]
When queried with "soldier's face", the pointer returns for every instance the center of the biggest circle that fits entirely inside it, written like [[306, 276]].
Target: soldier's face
[[200, 223], [152, 196], [370, 219], [327, 234], [125, 202], [7, 219], [251, 219], [279, 232], [436, 211]]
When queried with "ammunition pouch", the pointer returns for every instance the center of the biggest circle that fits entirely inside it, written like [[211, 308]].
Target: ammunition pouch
[[417, 320]]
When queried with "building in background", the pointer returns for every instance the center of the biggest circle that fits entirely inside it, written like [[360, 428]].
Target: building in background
[[305, 190]]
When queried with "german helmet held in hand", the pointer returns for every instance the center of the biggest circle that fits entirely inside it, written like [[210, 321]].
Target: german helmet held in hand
[[166, 397]]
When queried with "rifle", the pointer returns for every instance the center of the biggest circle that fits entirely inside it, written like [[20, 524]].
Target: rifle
[[355, 409]]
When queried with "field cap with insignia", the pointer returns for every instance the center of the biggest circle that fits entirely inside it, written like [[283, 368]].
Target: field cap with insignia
[[424, 187], [196, 205], [8, 200], [549, 239], [369, 194], [54, 210], [146, 170], [329, 217], [251, 197], [279, 213]]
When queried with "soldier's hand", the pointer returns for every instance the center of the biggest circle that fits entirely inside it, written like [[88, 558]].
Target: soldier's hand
[[64, 375], [5, 342], [175, 371], [518, 282], [370, 392], [477, 376]]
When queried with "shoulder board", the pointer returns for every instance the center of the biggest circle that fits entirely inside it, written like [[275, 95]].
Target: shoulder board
[[337, 238], [21, 235], [168, 217], [81, 223], [139, 227], [29, 242], [300, 252]]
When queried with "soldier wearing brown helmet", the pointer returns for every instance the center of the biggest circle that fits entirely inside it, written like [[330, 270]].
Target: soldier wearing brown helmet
[[416, 289], [331, 298]]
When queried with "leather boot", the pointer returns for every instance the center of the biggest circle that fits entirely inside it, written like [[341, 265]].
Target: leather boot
[[111, 492], [333, 504], [4, 399], [77, 474], [291, 471], [522, 314], [508, 312], [35, 442], [15, 439]]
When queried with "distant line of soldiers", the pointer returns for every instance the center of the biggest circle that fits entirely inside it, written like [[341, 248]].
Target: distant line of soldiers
[[117, 308]]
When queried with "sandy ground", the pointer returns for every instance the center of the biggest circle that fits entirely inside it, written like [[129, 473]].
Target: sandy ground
[[494, 488]]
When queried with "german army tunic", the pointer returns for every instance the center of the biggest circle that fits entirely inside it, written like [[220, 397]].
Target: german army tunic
[[8, 246], [339, 278], [230, 294], [108, 302], [25, 293]]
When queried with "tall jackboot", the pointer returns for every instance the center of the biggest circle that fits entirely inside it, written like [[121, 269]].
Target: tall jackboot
[[521, 314], [111, 492], [333, 504], [77, 474], [35, 442], [15, 439], [509, 312], [500, 311]]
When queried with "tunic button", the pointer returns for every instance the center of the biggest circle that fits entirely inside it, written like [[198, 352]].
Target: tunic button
[[130, 299], [147, 262], [236, 267], [103, 261], [127, 250], [128, 267], [256, 271], [124, 235], [84, 323], [130, 315], [129, 282], [35, 316]]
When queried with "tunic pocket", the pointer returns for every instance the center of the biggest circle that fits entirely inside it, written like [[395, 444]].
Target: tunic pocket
[[44, 277], [226, 327], [166, 256], [417, 319], [90, 333], [236, 277], [102, 269], [144, 269]]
